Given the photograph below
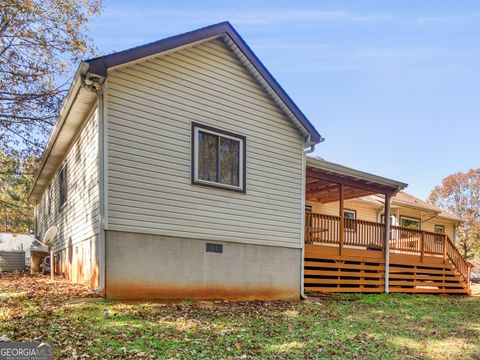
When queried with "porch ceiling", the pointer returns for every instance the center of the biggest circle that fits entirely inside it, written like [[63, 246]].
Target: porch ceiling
[[323, 181]]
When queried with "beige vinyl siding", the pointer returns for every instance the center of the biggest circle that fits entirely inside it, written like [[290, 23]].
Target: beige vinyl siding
[[78, 219], [449, 227], [365, 211], [370, 212], [428, 224], [150, 109]]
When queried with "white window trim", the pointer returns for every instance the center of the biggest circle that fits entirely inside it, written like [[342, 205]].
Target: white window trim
[[352, 212], [393, 219], [353, 228], [241, 186], [411, 219]]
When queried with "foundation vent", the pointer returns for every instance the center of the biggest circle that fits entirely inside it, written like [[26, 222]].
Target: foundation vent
[[215, 248]]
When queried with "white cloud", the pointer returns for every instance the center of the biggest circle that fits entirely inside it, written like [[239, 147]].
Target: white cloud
[[456, 19], [262, 17]]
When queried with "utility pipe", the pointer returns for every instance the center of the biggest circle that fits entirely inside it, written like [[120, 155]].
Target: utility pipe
[[96, 86], [302, 220]]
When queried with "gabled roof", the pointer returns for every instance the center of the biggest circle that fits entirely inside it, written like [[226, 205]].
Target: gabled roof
[[99, 66], [79, 100], [403, 198], [410, 200]]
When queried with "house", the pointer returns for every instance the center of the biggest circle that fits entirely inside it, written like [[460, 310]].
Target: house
[[363, 233], [175, 170], [408, 211], [178, 169], [21, 251]]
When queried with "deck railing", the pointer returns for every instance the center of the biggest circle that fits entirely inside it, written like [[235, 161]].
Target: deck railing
[[364, 233], [406, 240], [457, 259], [325, 229]]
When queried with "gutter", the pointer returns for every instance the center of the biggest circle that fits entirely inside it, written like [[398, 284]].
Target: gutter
[[96, 85], [65, 110], [327, 165]]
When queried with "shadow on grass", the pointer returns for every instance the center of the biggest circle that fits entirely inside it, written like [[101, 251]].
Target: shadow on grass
[[344, 326]]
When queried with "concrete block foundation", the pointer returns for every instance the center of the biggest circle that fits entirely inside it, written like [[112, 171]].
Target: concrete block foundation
[[153, 267]]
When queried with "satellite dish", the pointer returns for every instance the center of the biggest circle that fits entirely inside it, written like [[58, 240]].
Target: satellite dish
[[50, 235]]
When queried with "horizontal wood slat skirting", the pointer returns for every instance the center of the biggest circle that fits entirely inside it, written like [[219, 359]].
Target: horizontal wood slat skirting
[[363, 271], [343, 254]]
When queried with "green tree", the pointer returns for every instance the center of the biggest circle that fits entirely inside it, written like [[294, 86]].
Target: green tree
[[39, 39], [459, 194], [16, 214]]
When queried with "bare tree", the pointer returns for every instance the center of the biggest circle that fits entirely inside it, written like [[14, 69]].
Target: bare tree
[[39, 39]]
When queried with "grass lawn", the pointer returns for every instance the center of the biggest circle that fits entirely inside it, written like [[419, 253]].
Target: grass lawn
[[342, 326]]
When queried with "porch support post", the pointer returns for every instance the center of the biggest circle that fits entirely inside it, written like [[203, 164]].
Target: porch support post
[[422, 246], [444, 248], [342, 220], [388, 198]]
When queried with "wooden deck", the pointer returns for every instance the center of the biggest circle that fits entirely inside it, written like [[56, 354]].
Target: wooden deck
[[420, 261]]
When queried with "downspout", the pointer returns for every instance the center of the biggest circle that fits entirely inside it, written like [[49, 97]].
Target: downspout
[[302, 212], [388, 199], [97, 87]]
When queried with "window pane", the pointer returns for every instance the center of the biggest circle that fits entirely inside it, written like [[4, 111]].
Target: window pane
[[63, 185], [229, 161], [439, 229], [410, 223], [207, 156]]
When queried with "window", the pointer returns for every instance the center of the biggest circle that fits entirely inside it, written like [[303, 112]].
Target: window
[[218, 158], [63, 189], [410, 223], [439, 229], [393, 220], [349, 215], [49, 199]]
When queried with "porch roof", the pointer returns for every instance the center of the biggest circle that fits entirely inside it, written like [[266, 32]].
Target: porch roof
[[324, 177], [403, 199]]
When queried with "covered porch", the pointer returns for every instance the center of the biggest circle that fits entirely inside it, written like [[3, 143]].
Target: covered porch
[[344, 254]]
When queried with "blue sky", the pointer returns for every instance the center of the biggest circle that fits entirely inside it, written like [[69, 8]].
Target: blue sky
[[393, 86]]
